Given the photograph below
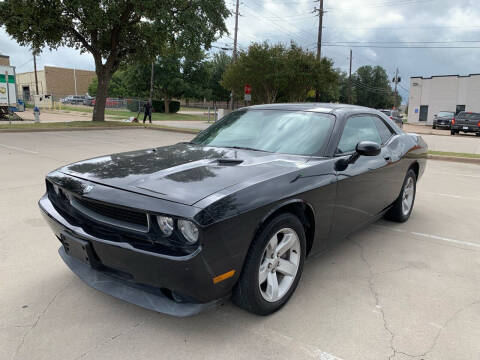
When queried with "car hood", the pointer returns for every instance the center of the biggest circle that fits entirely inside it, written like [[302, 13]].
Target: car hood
[[184, 173]]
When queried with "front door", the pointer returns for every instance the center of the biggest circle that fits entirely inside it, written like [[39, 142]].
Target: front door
[[423, 113], [362, 191]]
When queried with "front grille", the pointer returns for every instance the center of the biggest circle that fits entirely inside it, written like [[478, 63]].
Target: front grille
[[112, 215]]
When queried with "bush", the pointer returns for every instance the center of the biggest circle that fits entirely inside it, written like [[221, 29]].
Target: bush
[[158, 106]]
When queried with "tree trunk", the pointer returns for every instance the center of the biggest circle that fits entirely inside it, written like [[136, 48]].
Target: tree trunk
[[167, 105], [101, 97]]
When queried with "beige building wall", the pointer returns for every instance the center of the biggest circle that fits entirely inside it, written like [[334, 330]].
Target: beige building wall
[[443, 93], [26, 84], [56, 81], [4, 60]]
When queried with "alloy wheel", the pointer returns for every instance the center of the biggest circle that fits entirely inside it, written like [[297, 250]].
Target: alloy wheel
[[408, 195], [279, 264]]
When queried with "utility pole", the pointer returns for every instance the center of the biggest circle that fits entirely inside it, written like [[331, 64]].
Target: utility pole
[[319, 40], [235, 36], [35, 70], [75, 80], [396, 81], [350, 80], [320, 25], [151, 84]]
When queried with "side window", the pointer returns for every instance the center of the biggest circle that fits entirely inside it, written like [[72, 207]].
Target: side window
[[383, 130], [358, 128]]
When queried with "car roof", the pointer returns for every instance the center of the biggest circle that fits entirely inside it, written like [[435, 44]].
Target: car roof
[[315, 107]]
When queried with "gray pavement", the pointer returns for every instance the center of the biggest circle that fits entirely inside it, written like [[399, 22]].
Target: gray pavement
[[400, 291], [463, 143]]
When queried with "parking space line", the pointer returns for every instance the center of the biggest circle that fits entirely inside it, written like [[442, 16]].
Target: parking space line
[[455, 174], [441, 238], [450, 195], [18, 148], [431, 236]]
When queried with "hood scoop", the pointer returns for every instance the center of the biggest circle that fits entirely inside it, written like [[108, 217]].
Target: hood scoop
[[228, 161]]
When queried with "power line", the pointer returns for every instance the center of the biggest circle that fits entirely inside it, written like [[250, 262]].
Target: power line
[[279, 27], [403, 42], [279, 18], [380, 5], [404, 47]]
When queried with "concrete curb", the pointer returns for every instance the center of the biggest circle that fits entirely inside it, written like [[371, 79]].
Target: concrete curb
[[178, 130], [172, 129], [454, 159], [70, 129]]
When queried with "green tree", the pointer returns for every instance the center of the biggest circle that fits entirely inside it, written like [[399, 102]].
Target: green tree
[[372, 87], [175, 75], [114, 32], [216, 67], [279, 73], [326, 81], [262, 67], [116, 88]]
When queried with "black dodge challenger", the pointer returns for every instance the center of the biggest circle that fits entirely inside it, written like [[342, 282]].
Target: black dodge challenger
[[234, 212]]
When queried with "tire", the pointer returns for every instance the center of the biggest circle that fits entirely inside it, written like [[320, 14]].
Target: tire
[[452, 132], [478, 134], [399, 211], [257, 296], [433, 127]]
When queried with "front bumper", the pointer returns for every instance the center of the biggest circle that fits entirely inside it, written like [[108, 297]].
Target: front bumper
[[138, 276], [444, 125], [466, 128]]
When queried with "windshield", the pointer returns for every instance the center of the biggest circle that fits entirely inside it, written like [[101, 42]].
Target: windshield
[[469, 116], [445, 113], [287, 132], [387, 112]]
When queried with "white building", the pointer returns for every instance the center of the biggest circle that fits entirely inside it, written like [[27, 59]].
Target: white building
[[430, 95]]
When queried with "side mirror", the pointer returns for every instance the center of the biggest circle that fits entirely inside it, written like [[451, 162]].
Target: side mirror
[[368, 148]]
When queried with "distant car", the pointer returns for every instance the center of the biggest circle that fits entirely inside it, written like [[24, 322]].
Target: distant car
[[468, 122], [443, 119], [89, 101], [236, 210], [73, 99], [394, 115]]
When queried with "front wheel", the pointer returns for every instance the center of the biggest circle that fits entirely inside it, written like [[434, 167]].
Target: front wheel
[[403, 206], [273, 266], [433, 127], [452, 132]]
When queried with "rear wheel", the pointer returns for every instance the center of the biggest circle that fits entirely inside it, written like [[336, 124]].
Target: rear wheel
[[452, 132], [403, 206], [478, 134], [273, 266], [433, 127]]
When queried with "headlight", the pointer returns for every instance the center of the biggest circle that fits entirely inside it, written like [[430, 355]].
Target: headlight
[[166, 224], [189, 230]]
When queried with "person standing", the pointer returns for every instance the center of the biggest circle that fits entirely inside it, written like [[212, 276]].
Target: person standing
[[147, 111]]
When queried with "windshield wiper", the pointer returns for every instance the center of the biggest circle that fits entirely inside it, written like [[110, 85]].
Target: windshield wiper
[[244, 148]]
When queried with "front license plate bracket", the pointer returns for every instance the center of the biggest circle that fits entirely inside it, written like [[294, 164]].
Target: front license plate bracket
[[78, 248]]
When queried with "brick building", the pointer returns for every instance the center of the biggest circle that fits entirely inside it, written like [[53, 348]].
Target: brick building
[[56, 81]]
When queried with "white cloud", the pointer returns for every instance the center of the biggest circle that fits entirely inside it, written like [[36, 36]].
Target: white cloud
[[347, 20]]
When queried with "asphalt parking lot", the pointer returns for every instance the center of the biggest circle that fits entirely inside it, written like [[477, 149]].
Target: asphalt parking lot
[[398, 291]]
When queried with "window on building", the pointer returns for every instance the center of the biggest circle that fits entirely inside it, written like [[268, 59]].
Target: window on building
[[459, 109]]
